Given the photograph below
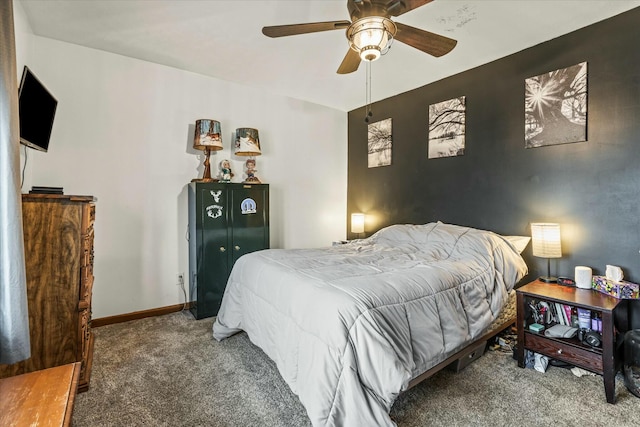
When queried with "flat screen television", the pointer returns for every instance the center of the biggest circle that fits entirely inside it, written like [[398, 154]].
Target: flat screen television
[[37, 108]]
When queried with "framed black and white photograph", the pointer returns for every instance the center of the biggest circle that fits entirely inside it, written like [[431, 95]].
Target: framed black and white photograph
[[555, 107], [379, 137], [447, 128]]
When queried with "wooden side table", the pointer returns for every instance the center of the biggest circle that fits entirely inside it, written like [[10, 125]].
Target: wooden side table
[[604, 361], [40, 398]]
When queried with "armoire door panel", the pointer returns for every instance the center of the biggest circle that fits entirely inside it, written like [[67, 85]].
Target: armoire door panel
[[248, 210]]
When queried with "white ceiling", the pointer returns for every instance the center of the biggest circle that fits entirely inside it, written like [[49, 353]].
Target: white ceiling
[[223, 39]]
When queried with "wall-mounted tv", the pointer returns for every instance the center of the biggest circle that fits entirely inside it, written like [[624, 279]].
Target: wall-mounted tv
[[37, 108]]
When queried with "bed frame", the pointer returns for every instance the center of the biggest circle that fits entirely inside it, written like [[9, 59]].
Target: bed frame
[[505, 319]]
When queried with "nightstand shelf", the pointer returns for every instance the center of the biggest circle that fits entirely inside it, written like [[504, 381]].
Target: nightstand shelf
[[604, 361]]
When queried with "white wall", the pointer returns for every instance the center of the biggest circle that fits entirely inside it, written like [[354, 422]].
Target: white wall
[[23, 34], [123, 132]]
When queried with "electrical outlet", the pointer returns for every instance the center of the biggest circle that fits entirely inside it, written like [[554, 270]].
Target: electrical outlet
[[180, 279]]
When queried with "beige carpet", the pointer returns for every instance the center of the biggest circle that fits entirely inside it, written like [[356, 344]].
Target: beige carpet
[[168, 371]]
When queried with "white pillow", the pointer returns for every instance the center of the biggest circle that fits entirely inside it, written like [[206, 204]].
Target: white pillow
[[520, 242]]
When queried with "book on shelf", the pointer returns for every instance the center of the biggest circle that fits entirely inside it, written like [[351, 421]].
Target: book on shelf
[[553, 316], [562, 317], [567, 312]]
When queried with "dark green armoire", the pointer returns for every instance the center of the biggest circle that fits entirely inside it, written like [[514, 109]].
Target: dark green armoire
[[226, 221]]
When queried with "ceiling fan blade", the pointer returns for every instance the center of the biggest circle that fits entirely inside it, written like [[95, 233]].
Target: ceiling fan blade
[[398, 7], [295, 29], [350, 63], [430, 43]]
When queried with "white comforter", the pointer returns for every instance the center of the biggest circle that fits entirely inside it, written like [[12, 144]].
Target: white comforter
[[349, 326]]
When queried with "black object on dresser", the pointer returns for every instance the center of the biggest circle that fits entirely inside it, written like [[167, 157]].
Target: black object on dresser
[[226, 221]]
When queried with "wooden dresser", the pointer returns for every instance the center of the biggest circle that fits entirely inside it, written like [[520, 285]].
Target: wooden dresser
[[58, 243]]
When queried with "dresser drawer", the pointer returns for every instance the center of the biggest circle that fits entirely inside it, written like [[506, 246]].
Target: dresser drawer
[[85, 350], [86, 282], [87, 249], [566, 352], [89, 216], [85, 294], [84, 333]]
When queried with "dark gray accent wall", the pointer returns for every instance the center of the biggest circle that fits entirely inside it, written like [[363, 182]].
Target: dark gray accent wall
[[591, 188]]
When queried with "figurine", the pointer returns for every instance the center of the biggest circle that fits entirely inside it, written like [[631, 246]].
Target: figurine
[[251, 171], [225, 171]]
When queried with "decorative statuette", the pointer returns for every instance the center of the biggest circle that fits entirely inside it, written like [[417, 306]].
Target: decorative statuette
[[251, 170], [225, 171]]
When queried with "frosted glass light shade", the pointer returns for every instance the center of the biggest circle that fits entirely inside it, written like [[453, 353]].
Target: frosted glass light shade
[[357, 223], [370, 36], [545, 239]]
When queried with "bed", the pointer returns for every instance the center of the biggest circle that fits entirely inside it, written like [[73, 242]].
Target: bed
[[351, 326]]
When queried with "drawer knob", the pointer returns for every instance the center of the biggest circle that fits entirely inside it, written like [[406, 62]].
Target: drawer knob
[[222, 249], [236, 247], [560, 351]]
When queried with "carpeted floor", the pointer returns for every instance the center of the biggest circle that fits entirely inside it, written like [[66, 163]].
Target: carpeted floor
[[169, 371]]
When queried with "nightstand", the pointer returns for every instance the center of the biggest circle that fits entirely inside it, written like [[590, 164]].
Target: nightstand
[[604, 361]]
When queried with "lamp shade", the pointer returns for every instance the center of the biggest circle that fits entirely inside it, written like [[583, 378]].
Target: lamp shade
[[208, 135], [545, 240], [247, 142], [357, 223]]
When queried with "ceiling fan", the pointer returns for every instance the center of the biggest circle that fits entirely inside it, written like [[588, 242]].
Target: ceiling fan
[[371, 31]]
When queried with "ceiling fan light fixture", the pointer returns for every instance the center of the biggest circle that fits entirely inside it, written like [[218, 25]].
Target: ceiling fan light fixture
[[370, 53], [371, 37]]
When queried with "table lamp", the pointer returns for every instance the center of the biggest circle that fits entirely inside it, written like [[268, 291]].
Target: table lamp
[[248, 144], [357, 223], [545, 239], [207, 137]]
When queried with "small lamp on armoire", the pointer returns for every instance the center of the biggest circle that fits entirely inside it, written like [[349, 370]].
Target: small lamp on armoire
[[207, 137], [545, 241], [248, 145]]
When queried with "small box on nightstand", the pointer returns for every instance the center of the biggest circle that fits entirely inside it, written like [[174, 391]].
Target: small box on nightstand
[[536, 327], [620, 290]]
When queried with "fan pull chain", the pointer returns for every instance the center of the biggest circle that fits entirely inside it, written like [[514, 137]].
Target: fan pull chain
[[368, 93]]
